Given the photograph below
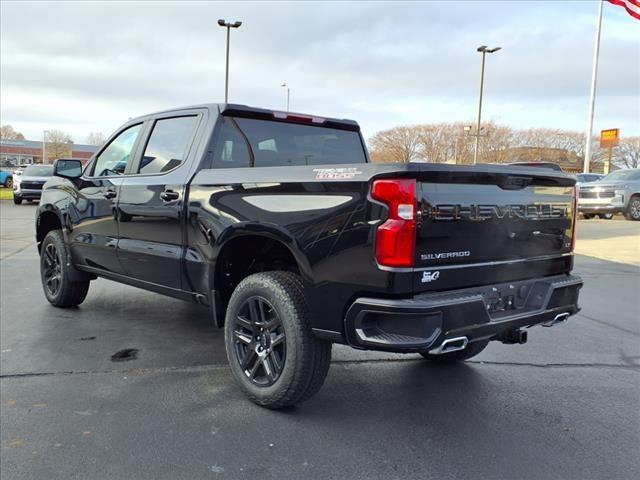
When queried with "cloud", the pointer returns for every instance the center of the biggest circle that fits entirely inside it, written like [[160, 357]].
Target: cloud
[[90, 66]]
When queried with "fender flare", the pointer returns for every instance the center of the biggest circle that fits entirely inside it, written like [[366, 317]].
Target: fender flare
[[271, 231]]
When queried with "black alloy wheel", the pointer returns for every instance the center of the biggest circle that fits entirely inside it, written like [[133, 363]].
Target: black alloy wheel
[[52, 271], [259, 341]]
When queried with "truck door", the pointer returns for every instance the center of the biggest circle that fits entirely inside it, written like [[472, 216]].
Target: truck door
[[94, 235], [151, 200]]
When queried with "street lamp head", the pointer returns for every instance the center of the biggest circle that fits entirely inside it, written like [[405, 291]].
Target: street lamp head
[[481, 48], [284, 84], [222, 22], [236, 24], [493, 50]]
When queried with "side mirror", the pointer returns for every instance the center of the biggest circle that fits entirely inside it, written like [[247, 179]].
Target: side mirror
[[67, 168]]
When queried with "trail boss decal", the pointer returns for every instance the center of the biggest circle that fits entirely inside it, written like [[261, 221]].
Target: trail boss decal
[[336, 173], [428, 277]]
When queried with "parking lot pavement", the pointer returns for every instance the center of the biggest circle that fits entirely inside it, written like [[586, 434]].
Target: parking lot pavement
[[565, 405]]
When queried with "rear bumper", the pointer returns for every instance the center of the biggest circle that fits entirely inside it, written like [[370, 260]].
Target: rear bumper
[[425, 321]]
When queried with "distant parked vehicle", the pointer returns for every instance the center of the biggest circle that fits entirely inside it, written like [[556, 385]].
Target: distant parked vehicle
[[6, 173], [28, 186], [618, 192], [588, 177]]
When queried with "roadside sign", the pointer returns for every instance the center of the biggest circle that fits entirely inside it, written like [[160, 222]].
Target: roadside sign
[[609, 138]]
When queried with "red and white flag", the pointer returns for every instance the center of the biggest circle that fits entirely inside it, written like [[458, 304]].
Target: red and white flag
[[631, 6]]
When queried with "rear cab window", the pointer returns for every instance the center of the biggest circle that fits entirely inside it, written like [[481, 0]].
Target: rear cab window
[[247, 142]]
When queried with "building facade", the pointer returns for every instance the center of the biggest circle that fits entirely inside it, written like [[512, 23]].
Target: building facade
[[20, 152]]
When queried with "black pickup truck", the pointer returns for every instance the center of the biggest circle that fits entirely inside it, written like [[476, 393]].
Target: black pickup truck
[[280, 224]]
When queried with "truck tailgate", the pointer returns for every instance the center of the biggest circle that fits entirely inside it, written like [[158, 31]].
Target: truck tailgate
[[481, 227]]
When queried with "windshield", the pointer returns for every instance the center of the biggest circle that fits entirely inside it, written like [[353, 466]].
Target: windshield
[[245, 142], [630, 174], [38, 171]]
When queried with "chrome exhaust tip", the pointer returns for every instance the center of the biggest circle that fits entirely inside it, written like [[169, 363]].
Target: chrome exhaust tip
[[561, 317], [450, 345]]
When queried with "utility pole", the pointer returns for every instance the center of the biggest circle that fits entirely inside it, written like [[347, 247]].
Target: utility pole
[[484, 50], [223, 23], [592, 99], [44, 146], [284, 85]]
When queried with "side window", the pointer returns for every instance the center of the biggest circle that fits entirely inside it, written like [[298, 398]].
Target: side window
[[114, 159], [231, 147], [168, 144]]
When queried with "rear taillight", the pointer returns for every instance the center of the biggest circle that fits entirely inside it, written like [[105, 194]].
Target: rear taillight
[[396, 237], [574, 212]]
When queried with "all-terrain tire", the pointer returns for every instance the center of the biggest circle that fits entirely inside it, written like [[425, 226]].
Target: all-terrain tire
[[633, 209], [306, 359], [55, 262], [473, 349]]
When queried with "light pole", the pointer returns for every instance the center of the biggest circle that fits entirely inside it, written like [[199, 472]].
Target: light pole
[[44, 146], [223, 23], [288, 92], [484, 50]]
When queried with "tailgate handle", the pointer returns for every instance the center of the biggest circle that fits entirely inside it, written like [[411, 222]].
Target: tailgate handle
[[512, 182]]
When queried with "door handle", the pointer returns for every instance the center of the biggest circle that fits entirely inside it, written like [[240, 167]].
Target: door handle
[[110, 194], [169, 196]]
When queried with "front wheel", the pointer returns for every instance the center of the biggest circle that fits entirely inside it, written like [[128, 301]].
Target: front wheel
[[17, 200], [633, 210], [55, 273], [272, 352], [606, 216], [473, 349], [588, 216], [8, 183]]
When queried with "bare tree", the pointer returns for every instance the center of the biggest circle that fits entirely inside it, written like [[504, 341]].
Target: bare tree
[[58, 145], [8, 133], [628, 152], [95, 138], [397, 145]]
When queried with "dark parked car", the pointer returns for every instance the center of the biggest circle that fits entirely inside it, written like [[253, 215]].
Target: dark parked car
[[28, 185], [279, 223]]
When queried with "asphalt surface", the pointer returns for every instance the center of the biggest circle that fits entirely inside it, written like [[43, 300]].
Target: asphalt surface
[[564, 406]]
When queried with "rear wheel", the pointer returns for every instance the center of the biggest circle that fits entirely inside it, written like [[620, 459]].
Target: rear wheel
[[473, 349], [606, 216], [55, 273], [17, 199], [8, 182], [633, 210], [588, 216], [272, 352]]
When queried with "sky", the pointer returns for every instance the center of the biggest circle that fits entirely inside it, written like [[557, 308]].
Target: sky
[[88, 66]]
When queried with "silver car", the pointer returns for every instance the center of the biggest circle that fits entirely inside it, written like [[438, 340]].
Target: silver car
[[618, 192], [28, 186]]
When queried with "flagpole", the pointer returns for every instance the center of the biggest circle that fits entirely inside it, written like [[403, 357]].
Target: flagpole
[[592, 100]]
